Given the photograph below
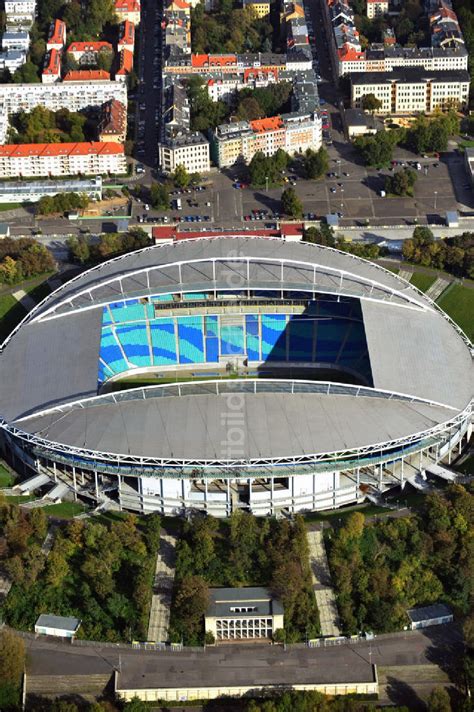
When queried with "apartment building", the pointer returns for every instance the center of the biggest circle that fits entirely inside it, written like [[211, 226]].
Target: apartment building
[[127, 36], [74, 96], [52, 67], [128, 10], [412, 90], [189, 149], [16, 39], [56, 36], [294, 133], [93, 76], [125, 66], [86, 53], [61, 159], [112, 122], [376, 8], [20, 10], [261, 8], [12, 59]]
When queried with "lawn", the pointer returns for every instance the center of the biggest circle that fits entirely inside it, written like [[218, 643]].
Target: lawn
[[20, 498], [422, 281], [458, 302], [64, 510], [6, 478], [10, 206], [335, 515], [11, 312]]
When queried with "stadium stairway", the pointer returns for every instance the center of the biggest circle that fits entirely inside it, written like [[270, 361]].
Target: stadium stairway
[[322, 584], [158, 625]]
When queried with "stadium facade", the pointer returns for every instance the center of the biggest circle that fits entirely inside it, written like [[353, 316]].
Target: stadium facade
[[268, 376]]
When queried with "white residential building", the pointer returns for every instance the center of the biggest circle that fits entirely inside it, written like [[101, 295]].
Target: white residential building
[[19, 39], [189, 149], [376, 8], [61, 159], [74, 96], [412, 91], [12, 59], [17, 10]]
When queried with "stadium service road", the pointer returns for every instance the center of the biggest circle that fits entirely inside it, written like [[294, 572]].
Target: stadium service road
[[432, 652]]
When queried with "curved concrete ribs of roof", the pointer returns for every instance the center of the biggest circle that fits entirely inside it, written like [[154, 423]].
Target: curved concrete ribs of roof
[[396, 297]]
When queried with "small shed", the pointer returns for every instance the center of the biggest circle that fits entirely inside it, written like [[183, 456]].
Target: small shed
[[59, 626], [452, 218], [332, 219], [425, 616], [4, 230]]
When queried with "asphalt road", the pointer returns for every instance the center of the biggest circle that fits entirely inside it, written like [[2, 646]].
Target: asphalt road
[[432, 654]]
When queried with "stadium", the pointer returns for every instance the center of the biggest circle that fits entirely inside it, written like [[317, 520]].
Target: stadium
[[223, 373]]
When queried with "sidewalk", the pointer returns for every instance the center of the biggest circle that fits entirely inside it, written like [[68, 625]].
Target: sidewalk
[[162, 590], [325, 598]]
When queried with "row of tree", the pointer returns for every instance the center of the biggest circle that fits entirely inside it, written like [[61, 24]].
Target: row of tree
[[380, 569], [229, 29], [61, 203], [453, 254], [84, 249], [22, 259], [242, 551], [324, 235], [42, 125], [100, 573], [425, 136]]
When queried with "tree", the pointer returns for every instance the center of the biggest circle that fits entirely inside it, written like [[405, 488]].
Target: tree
[[369, 102], [291, 204], [438, 700], [377, 150], [79, 248], [159, 196], [191, 603], [401, 182], [315, 163], [26, 74], [324, 235], [12, 657], [181, 176]]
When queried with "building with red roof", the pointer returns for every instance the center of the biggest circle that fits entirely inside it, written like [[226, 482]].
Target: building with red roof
[[56, 36], [127, 36], [125, 66], [87, 75], [87, 52], [128, 10], [30, 160], [113, 122], [52, 67]]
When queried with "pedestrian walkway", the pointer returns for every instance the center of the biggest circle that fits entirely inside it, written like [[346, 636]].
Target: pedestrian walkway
[[406, 274], [325, 598], [25, 300], [437, 288], [162, 590]]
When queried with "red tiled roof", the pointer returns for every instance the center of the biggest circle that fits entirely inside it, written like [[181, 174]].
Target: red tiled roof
[[213, 60], [127, 5], [181, 4], [250, 74], [57, 32], [127, 33], [273, 123], [349, 54], [126, 62], [26, 150], [89, 47], [87, 75], [53, 63]]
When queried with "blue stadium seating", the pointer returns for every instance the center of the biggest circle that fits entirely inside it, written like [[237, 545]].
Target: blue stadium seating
[[164, 342], [327, 332], [134, 340], [190, 339]]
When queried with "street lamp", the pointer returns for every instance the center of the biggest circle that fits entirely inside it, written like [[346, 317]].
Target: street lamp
[[266, 184], [338, 167], [435, 196]]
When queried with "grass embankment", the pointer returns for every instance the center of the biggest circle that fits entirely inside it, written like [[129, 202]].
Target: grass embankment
[[422, 281], [6, 478], [11, 313], [64, 510], [458, 302]]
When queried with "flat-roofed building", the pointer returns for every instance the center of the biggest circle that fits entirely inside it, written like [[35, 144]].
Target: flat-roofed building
[[31, 191], [412, 90], [243, 614], [59, 626], [426, 616], [261, 8], [31, 160], [189, 149]]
